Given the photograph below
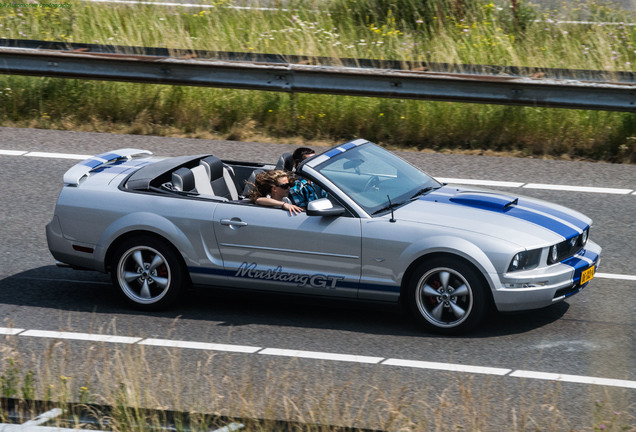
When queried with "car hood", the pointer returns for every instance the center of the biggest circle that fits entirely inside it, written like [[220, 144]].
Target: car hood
[[525, 221]]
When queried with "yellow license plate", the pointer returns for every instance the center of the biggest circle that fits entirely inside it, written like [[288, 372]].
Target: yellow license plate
[[587, 275]]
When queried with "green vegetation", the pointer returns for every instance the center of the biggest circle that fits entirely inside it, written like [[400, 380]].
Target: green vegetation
[[452, 31]]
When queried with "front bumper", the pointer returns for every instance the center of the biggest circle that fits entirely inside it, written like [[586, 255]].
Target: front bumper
[[538, 288]]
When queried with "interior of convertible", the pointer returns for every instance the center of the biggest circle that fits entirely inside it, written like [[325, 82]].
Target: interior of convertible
[[203, 176]]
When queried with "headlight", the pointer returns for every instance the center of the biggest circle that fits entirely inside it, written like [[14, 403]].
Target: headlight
[[525, 260], [585, 236], [554, 254]]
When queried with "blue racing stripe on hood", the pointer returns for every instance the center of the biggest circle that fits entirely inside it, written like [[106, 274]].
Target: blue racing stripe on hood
[[582, 225], [561, 223], [545, 221]]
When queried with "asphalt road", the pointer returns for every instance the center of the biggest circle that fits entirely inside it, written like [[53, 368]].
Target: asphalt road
[[591, 336]]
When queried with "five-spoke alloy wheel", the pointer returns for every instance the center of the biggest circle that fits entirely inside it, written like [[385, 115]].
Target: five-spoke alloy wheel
[[447, 296], [148, 273]]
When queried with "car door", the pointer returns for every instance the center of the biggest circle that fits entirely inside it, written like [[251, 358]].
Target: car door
[[266, 248]]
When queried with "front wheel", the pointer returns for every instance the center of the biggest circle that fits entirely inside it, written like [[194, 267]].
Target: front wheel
[[447, 296], [148, 273]]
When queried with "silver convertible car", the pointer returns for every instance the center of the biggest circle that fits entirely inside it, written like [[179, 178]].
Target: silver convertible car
[[386, 232]]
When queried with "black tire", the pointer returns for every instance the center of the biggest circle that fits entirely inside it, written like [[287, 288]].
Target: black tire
[[447, 296], [148, 273]]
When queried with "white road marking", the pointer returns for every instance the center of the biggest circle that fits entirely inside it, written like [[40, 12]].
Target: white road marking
[[81, 336], [447, 367], [200, 346], [321, 355], [578, 188], [58, 155], [317, 355], [10, 331], [473, 182], [615, 276], [579, 379]]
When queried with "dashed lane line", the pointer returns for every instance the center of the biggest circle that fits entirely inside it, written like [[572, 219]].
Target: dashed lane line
[[459, 181], [579, 379], [200, 346], [80, 336], [323, 356], [58, 155], [315, 355], [615, 276]]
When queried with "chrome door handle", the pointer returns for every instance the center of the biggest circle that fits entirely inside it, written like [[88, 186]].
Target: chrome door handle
[[234, 222]]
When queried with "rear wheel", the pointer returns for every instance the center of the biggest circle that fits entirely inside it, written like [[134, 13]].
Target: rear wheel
[[447, 296], [148, 273]]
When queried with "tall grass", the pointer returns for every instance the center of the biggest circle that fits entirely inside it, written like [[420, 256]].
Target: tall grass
[[452, 31], [133, 379]]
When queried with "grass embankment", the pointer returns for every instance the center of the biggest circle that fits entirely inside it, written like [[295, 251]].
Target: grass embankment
[[334, 396], [452, 31]]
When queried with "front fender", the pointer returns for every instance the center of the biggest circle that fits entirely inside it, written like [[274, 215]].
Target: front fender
[[391, 250], [144, 222], [452, 245]]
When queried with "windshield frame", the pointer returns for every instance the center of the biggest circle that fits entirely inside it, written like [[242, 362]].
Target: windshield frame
[[399, 189]]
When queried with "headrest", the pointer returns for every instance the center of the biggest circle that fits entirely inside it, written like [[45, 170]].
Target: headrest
[[214, 166], [183, 179], [285, 162]]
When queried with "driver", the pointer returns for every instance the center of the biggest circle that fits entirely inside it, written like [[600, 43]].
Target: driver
[[304, 190]]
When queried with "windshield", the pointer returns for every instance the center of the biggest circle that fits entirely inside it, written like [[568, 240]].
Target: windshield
[[371, 176]]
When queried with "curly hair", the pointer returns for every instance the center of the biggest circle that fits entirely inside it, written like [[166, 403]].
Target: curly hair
[[264, 182]]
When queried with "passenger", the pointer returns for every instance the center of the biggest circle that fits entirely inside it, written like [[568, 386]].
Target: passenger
[[271, 189], [304, 190]]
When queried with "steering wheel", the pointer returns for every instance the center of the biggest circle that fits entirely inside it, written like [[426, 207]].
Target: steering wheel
[[372, 184]]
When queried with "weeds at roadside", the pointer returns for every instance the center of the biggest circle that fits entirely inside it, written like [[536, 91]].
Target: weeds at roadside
[[146, 386]]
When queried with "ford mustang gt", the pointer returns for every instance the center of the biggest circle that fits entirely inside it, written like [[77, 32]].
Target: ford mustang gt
[[386, 232]]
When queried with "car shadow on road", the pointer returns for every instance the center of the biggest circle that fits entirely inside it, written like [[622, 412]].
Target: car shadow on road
[[82, 291]]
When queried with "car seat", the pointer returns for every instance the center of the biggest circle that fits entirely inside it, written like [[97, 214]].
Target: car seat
[[183, 180], [220, 177]]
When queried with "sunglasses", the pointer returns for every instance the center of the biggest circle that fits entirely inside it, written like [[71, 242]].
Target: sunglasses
[[285, 185]]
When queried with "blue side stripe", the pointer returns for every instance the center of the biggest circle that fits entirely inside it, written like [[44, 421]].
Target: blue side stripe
[[380, 288], [341, 284], [211, 271]]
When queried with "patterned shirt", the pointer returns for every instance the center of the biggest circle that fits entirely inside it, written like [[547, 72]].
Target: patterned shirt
[[304, 191]]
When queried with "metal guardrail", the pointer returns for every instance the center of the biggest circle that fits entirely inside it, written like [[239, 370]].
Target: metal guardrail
[[558, 88]]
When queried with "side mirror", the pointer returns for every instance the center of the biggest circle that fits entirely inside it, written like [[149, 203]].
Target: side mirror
[[323, 207]]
